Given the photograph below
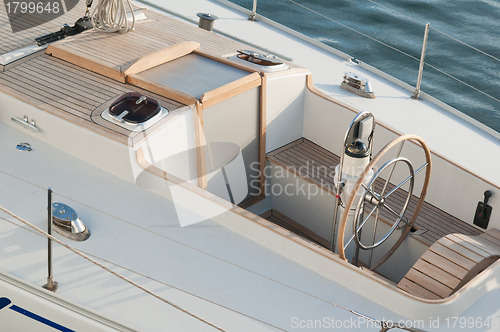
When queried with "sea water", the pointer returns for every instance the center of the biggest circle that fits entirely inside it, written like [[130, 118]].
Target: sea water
[[401, 24]]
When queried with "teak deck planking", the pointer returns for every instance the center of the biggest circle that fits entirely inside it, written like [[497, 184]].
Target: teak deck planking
[[72, 92], [14, 41]]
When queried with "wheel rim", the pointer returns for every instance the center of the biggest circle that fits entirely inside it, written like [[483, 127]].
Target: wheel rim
[[349, 203]]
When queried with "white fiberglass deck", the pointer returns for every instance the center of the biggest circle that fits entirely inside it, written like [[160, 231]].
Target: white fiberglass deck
[[206, 268], [393, 105], [224, 277]]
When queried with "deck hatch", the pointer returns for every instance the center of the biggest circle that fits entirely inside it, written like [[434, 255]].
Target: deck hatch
[[134, 107]]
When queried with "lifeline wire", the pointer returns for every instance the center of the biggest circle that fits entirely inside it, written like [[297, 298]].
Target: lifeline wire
[[110, 271], [152, 279], [348, 27], [402, 52], [258, 274], [444, 33], [458, 80]]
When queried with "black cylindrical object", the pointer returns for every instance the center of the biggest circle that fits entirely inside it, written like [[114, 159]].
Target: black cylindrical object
[[206, 21]]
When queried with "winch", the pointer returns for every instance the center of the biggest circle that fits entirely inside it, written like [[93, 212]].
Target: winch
[[67, 223]]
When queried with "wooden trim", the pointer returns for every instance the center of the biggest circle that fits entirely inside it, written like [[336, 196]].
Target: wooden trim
[[267, 214], [315, 91], [94, 65], [201, 162], [160, 57], [230, 90], [224, 60], [292, 237], [251, 201], [161, 89], [262, 135]]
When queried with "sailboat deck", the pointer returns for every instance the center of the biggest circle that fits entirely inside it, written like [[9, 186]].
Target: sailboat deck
[[316, 164], [69, 89], [13, 41]]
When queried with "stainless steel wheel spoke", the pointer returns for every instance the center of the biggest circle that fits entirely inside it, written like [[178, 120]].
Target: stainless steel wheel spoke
[[362, 224], [373, 237], [369, 190], [392, 169], [368, 216], [392, 211], [405, 180]]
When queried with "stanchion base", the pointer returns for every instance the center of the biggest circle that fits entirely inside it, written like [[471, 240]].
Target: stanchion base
[[51, 285]]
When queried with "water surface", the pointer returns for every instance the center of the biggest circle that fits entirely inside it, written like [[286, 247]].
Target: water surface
[[476, 23]]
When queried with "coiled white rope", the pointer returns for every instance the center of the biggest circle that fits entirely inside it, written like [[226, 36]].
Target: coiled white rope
[[111, 16]]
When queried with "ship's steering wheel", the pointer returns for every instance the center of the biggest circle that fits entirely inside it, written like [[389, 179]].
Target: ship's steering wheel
[[379, 200]]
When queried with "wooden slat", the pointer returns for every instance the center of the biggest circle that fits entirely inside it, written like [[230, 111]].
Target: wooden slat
[[452, 256], [450, 263], [285, 147], [479, 242], [494, 233], [471, 244], [74, 88], [44, 95], [428, 283], [437, 273], [444, 264], [473, 256], [492, 240], [267, 214], [69, 72], [417, 290], [12, 41]]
